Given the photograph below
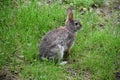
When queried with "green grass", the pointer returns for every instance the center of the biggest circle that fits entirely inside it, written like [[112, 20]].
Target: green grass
[[94, 56]]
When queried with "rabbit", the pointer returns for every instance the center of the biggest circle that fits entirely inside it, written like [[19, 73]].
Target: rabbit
[[56, 44]]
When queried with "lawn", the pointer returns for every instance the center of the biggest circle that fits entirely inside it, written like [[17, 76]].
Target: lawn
[[95, 55]]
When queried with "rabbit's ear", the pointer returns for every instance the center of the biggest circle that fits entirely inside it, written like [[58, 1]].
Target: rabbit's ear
[[69, 14]]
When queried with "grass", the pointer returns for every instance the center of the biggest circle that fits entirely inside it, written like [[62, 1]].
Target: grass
[[85, 3], [94, 56]]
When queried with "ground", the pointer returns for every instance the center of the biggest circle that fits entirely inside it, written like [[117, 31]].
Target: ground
[[95, 55]]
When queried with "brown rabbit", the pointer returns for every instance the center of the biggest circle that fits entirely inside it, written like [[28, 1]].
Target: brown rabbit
[[56, 44]]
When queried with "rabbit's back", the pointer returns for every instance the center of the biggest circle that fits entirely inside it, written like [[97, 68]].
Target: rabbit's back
[[54, 36]]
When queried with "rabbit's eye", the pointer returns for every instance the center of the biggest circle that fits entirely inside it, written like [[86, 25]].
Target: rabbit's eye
[[76, 24]]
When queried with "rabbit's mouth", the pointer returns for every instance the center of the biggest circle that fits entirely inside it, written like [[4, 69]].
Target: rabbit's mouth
[[78, 28]]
